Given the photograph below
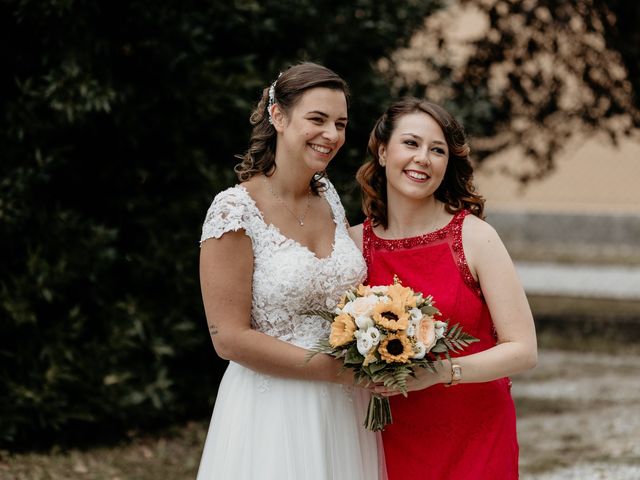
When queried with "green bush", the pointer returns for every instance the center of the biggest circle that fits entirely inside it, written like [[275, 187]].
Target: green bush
[[119, 124]]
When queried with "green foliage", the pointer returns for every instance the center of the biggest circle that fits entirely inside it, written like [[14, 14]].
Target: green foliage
[[119, 124]]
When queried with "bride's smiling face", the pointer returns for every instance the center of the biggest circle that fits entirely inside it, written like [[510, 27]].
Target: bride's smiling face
[[313, 130]]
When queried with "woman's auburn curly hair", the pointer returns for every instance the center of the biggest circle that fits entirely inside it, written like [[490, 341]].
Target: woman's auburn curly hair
[[456, 191]]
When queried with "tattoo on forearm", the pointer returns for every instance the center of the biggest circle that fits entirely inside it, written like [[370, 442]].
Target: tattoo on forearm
[[213, 329]]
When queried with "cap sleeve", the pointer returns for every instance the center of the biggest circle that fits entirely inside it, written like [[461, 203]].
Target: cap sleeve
[[230, 211]]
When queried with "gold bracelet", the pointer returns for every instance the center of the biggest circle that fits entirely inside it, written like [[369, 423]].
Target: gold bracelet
[[456, 375]]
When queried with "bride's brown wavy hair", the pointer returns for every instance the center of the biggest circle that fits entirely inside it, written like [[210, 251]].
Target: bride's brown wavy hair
[[456, 191], [288, 90]]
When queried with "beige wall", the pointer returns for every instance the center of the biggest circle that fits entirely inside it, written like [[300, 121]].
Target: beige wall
[[592, 175]]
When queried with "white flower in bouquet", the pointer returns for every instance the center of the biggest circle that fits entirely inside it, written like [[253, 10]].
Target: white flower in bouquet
[[374, 334], [364, 343], [441, 328], [367, 339], [361, 306], [364, 322], [420, 351], [416, 314]]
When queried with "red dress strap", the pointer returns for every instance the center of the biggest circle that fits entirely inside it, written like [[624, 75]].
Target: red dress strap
[[367, 238], [458, 251]]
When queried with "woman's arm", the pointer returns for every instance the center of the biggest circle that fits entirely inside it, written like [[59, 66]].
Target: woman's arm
[[355, 233], [516, 350], [226, 272]]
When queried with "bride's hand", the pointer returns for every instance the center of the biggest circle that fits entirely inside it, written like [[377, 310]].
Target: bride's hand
[[424, 379]]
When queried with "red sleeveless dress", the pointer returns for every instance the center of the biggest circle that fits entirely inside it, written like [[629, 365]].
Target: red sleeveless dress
[[464, 432]]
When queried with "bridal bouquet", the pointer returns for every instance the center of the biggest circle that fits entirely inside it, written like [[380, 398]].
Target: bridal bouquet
[[383, 333]]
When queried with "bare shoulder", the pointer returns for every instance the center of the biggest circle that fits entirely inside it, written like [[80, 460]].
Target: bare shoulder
[[476, 232], [254, 186], [355, 232], [481, 244]]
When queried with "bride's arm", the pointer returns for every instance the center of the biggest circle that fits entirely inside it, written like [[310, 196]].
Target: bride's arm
[[226, 271]]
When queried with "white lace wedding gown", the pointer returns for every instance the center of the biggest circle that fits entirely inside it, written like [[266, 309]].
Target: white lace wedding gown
[[266, 427]]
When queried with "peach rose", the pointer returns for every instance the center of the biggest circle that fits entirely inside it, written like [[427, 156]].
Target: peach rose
[[426, 332]]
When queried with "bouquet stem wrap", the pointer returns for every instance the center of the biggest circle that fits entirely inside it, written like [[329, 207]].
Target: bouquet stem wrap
[[378, 413]]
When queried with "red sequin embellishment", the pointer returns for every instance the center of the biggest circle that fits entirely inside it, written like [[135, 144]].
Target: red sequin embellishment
[[452, 233]]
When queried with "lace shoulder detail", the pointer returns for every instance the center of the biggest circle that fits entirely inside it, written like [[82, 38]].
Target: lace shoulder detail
[[231, 210], [333, 199]]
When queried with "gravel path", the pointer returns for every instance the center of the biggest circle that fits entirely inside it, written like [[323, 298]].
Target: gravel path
[[579, 417]]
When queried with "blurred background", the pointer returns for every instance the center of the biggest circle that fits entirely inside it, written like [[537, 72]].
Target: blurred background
[[120, 122]]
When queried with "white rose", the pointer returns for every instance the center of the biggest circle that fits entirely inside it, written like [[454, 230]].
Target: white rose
[[364, 344], [364, 322], [440, 328], [420, 351], [413, 325], [416, 314], [363, 306], [411, 330], [374, 334]]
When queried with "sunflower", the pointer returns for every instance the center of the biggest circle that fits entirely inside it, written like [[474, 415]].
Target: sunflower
[[395, 348], [402, 295], [391, 316], [342, 329], [363, 290], [342, 302]]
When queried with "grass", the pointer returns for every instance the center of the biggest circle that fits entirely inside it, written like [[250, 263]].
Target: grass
[[171, 454]]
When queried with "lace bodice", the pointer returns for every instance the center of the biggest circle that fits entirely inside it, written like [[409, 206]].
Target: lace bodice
[[288, 278]]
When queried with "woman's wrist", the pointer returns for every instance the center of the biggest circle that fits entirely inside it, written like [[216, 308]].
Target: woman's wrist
[[444, 372]]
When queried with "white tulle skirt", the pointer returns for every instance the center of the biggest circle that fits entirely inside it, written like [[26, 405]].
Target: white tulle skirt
[[274, 428]]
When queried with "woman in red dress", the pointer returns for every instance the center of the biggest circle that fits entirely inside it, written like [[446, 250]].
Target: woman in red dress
[[424, 224]]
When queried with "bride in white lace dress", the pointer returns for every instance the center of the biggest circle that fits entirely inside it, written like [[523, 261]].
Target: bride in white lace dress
[[273, 247]]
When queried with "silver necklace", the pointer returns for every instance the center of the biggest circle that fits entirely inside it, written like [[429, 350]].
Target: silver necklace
[[300, 220]]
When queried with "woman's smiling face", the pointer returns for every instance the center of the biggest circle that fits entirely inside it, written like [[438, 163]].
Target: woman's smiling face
[[314, 129], [415, 158]]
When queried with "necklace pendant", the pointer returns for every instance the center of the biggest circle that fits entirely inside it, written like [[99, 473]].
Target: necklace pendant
[[302, 224]]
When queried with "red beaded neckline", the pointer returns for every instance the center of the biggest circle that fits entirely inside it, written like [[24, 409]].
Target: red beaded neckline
[[453, 230]]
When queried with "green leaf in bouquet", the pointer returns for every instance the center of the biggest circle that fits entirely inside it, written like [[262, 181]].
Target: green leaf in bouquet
[[456, 339], [353, 356], [439, 347], [429, 310], [376, 366]]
